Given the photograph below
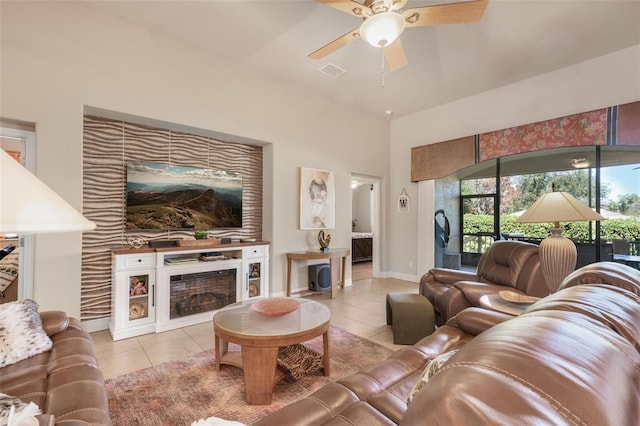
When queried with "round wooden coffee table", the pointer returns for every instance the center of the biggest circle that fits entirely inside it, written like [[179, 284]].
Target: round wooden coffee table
[[260, 337]]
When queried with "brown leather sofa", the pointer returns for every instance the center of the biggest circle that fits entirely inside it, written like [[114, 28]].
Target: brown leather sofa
[[64, 382], [506, 265], [570, 359]]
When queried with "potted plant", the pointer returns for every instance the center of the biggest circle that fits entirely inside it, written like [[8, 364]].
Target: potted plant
[[201, 235]]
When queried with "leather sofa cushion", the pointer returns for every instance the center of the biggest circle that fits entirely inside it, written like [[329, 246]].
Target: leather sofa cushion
[[71, 349], [81, 383], [26, 376], [605, 273], [474, 321], [473, 291], [582, 372], [503, 264]]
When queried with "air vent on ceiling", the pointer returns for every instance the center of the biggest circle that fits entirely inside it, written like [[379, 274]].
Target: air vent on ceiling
[[332, 71]]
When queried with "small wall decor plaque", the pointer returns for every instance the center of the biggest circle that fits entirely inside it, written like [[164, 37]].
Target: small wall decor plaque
[[403, 202]]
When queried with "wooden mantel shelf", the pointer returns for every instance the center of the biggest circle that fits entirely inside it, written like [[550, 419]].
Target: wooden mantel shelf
[[235, 244]]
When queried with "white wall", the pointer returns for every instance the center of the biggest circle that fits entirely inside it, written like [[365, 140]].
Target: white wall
[[612, 79], [58, 57]]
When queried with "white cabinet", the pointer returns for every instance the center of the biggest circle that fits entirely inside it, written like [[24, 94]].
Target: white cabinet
[[256, 269], [168, 288], [133, 295]]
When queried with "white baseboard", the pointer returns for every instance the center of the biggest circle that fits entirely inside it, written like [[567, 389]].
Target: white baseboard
[[401, 276], [96, 324]]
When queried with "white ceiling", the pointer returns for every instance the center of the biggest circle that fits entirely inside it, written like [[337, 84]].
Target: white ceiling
[[515, 40]]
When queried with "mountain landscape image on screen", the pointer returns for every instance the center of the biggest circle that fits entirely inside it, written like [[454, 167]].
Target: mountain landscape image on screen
[[164, 197]]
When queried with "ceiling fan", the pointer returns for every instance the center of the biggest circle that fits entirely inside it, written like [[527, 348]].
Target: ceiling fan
[[384, 21]]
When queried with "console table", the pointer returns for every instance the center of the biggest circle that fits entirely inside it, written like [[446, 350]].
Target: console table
[[334, 256]]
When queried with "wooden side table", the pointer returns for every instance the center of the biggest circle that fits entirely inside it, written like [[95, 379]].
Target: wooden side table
[[260, 337], [334, 256]]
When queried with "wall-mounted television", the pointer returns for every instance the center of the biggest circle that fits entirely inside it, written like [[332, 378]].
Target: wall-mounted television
[[170, 197]]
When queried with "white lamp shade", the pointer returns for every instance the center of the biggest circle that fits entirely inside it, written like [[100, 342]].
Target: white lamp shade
[[382, 29], [558, 207], [28, 206]]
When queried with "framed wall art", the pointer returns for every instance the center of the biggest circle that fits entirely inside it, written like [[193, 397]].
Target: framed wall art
[[317, 199]]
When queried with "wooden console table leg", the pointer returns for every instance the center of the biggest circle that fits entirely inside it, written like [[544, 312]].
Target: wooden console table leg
[[259, 367], [334, 268], [325, 353], [289, 260]]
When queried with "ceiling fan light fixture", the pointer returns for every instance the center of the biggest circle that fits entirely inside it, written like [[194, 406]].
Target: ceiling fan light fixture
[[382, 29], [580, 163]]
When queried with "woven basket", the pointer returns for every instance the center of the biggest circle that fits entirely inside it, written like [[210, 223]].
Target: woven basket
[[298, 360]]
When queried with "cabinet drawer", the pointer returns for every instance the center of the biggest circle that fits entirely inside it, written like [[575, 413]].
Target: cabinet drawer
[[131, 261], [256, 251]]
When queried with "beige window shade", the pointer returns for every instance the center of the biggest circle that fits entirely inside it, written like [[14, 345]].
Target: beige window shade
[[441, 159]]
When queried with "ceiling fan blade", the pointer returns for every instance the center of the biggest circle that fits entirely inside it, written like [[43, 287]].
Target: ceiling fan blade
[[348, 6], [335, 44], [394, 55], [398, 4], [454, 13]]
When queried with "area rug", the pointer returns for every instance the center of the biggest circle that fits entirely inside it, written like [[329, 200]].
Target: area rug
[[179, 392]]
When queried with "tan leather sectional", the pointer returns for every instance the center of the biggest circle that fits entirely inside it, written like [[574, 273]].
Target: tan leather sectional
[[573, 358]]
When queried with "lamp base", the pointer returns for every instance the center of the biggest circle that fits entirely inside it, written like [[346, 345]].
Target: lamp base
[[558, 256]]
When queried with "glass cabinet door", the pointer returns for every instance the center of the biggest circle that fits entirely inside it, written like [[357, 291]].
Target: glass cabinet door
[[140, 296], [254, 279]]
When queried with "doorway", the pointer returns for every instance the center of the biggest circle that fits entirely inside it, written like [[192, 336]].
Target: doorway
[[365, 227], [20, 144]]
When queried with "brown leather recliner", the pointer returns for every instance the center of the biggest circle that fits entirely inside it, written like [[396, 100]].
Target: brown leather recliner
[[512, 265]]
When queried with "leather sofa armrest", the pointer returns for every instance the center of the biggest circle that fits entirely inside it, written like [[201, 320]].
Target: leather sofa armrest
[[54, 322], [474, 290], [476, 320], [450, 276]]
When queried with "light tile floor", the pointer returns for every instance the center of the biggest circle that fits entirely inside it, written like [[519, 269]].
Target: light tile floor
[[359, 309]]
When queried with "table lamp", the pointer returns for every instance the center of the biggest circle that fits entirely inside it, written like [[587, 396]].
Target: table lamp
[[28, 206], [558, 254]]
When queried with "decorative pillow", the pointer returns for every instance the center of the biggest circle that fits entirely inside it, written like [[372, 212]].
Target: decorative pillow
[[432, 368], [15, 412], [21, 332]]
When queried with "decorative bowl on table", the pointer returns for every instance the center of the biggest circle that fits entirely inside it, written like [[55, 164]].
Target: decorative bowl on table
[[275, 306]]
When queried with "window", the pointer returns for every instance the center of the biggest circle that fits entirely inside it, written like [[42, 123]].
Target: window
[[605, 178]]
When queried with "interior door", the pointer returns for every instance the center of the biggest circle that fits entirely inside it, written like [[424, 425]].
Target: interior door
[[21, 145]]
